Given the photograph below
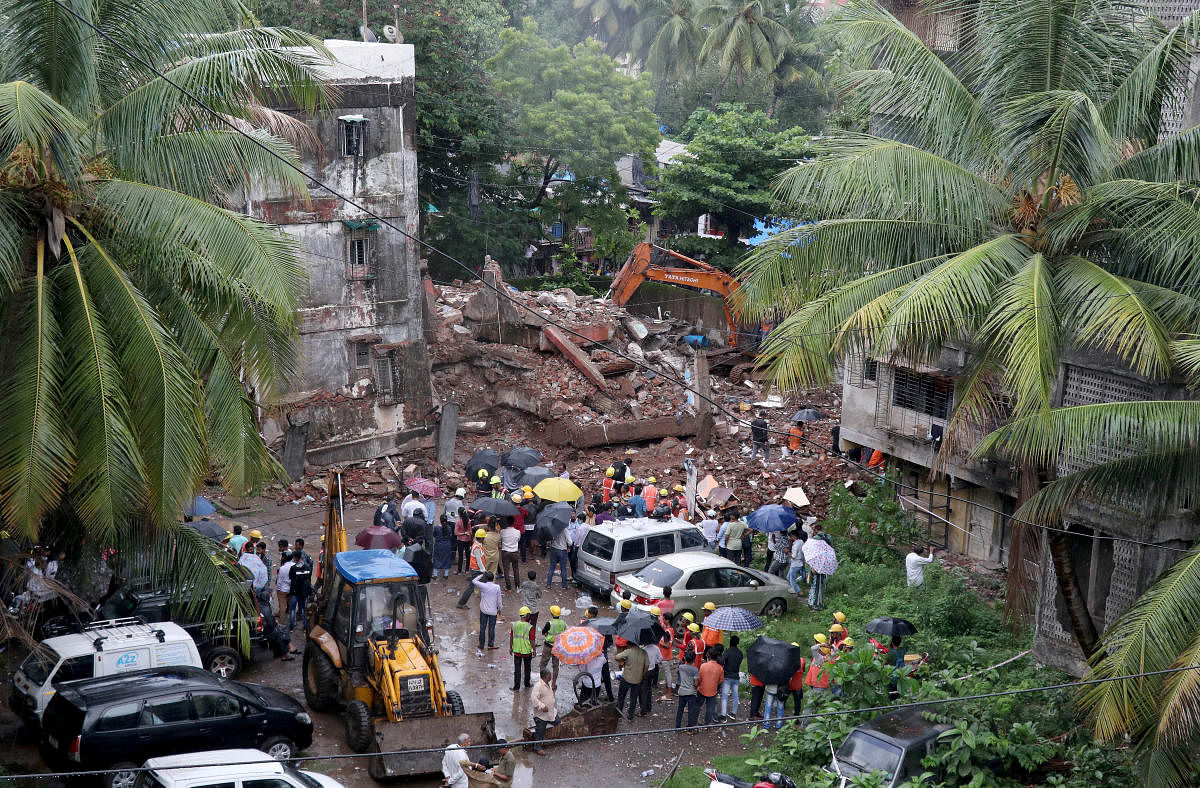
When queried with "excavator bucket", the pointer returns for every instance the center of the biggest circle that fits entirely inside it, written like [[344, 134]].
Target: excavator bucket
[[423, 733]]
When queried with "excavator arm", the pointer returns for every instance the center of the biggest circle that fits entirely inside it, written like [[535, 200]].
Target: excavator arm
[[334, 539], [643, 266]]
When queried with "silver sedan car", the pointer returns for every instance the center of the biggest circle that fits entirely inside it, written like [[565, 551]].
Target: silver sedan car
[[696, 577]]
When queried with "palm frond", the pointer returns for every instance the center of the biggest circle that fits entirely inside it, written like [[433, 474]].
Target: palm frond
[[108, 481], [1181, 698], [32, 119], [162, 388], [1054, 133], [1146, 638], [14, 242], [859, 175], [803, 262], [1109, 313], [36, 453]]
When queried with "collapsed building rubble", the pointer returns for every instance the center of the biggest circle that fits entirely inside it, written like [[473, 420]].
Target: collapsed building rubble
[[600, 388]]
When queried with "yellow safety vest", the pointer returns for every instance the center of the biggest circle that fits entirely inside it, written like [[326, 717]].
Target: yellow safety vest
[[520, 637], [557, 625]]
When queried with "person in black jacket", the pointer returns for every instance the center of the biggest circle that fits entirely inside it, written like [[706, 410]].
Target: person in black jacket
[[301, 574], [759, 435]]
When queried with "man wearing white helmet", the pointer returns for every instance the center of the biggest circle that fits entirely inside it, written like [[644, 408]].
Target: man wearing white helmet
[[456, 504]]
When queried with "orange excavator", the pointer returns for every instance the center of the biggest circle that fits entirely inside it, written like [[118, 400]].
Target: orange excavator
[[648, 262]]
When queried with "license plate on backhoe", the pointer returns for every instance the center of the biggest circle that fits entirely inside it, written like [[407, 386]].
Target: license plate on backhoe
[[416, 685]]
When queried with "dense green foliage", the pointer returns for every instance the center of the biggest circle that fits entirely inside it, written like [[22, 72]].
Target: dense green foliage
[[732, 157]]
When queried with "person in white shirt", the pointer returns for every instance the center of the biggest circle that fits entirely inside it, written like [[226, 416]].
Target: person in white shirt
[[796, 567], [709, 526], [650, 680], [409, 505], [914, 566], [283, 584], [510, 542], [454, 761]]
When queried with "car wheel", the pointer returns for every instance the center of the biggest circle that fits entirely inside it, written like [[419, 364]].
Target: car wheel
[[223, 661], [121, 775], [776, 607], [360, 728], [279, 747], [455, 702], [320, 679]]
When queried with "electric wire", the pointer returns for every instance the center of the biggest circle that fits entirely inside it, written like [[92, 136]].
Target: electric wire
[[221, 118], [919, 704]]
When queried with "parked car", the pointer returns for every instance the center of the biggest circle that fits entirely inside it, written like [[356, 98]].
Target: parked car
[[891, 743], [217, 642], [617, 547], [117, 722], [696, 577], [228, 769], [104, 648]]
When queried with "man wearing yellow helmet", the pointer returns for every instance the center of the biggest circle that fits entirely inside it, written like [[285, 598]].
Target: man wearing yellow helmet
[[497, 487], [477, 566], [550, 632], [608, 485], [520, 645], [650, 493]]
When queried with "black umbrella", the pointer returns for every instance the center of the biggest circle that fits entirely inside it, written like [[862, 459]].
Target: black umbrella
[[555, 517], [605, 626], [888, 627], [807, 414], [773, 661], [520, 457], [210, 528], [641, 628], [533, 475], [484, 459], [500, 507]]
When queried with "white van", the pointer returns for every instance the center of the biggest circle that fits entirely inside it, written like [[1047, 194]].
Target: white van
[[103, 648], [618, 547]]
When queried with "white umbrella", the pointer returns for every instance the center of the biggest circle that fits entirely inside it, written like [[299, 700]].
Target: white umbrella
[[820, 557]]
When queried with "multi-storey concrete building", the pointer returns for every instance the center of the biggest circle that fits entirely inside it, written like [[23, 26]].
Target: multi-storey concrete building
[[362, 388]]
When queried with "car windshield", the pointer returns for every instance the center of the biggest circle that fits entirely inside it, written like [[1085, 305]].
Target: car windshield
[[39, 663], [867, 753], [389, 606], [659, 573]]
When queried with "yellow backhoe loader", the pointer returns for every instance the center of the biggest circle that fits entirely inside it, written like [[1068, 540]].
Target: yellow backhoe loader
[[371, 653]]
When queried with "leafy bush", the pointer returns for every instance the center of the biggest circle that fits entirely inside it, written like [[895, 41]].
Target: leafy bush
[[876, 528], [570, 274]]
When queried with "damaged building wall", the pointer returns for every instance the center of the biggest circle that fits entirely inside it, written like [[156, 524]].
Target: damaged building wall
[[902, 409], [362, 382]]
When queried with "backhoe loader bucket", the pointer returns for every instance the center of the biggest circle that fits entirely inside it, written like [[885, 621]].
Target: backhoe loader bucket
[[423, 733]]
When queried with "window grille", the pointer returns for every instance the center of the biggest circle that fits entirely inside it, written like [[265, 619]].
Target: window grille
[[360, 254], [362, 355], [923, 393], [353, 136]]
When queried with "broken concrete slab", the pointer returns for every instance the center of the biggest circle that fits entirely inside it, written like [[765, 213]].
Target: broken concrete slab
[[573, 354], [635, 431], [636, 329]]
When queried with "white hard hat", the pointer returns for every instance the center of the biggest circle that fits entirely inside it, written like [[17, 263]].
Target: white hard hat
[[711, 513], [461, 492]]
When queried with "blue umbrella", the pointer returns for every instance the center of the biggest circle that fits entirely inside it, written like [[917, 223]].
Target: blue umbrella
[[199, 507], [772, 517], [733, 619]]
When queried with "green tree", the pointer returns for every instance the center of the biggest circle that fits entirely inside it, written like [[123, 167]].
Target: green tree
[[1027, 200], [800, 64], [668, 41], [133, 306], [744, 37], [572, 111], [732, 157]]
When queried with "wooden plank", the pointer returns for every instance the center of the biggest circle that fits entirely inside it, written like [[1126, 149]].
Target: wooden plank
[[573, 354]]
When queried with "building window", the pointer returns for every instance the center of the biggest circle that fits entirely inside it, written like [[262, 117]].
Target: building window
[[352, 132], [362, 355], [360, 249], [861, 372], [926, 394]]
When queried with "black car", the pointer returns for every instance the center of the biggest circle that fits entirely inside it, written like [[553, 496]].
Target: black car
[[117, 722], [217, 643]]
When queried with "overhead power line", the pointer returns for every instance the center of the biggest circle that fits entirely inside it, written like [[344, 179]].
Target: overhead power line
[[920, 704], [500, 292]]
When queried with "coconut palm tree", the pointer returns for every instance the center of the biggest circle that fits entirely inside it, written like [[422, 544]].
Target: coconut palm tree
[[136, 309], [800, 62], [743, 37], [1026, 199], [613, 20], [668, 41], [1161, 630]]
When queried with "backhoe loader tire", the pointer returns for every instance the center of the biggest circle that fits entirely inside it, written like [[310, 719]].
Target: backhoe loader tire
[[320, 679], [360, 727], [456, 705]]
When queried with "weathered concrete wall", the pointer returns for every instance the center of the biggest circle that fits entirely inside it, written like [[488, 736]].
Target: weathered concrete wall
[[357, 410]]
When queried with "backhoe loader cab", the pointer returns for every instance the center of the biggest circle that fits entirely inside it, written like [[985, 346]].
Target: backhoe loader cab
[[371, 652]]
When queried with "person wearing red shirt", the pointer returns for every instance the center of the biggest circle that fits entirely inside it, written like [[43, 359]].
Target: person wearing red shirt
[[692, 649], [796, 685], [666, 647], [757, 689], [709, 684]]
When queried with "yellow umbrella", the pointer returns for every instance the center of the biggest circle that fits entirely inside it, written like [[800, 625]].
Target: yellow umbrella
[[556, 489]]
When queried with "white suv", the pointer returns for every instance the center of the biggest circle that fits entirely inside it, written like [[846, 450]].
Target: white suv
[[227, 769]]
